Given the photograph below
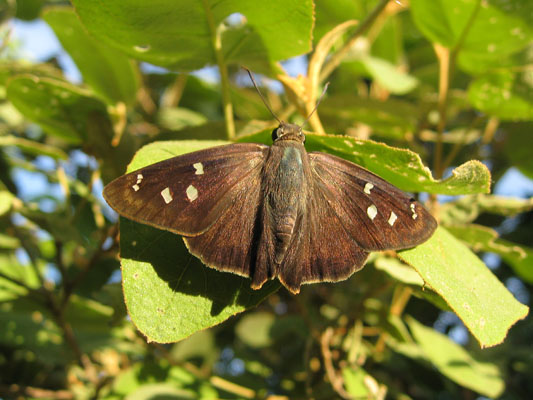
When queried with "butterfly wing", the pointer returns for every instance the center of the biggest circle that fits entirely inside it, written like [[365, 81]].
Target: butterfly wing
[[350, 212], [189, 193], [376, 214], [323, 250]]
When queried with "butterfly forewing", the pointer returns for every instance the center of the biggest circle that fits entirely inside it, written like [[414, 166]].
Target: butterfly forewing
[[187, 194], [376, 214]]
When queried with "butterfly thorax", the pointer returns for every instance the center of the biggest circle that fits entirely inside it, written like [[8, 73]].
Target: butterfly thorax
[[286, 192]]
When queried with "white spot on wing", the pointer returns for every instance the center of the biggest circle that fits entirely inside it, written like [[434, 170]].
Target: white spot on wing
[[392, 219], [415, 215], [199, 167], [372, 211], [192, 193], [368, 187], [139, 180], [167, 196]]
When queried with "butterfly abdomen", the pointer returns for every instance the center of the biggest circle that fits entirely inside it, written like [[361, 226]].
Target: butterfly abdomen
[[286, 195]]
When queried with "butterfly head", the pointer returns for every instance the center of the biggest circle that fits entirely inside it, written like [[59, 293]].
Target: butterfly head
[[287, 131]]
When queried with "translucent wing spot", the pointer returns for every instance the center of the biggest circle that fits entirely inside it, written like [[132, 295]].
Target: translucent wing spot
[[372, 211], [368, 187], [139, 178], [135, 187], [167, 196], [192, 193], [199, 167], [415, 215], [392, 219]]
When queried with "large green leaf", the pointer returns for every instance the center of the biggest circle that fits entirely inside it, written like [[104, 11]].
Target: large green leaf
[[485, 306], [62, 109], [108, 72], [179, 34], [488, 29], [169, 293], [456, 363]]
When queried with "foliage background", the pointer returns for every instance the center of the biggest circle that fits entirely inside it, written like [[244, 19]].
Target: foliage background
[[432, 83]]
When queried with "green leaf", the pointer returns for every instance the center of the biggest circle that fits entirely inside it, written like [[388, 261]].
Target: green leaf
[[10, 267], [33, 147], [26, 324], [179, 34], [481, 238], [62, 109], [388, 75], [9, 69], [506, 95], [143, 381], [6, 201], [255, 329], [28, 10], [176, 118], [468, 208], [108, 72], [433, 20], [359, 383], [485, 306], [396, 269], [521, 259], [200, 345], [496, 28], [169, 293], [456, 363], [403, 168], [329, 14]]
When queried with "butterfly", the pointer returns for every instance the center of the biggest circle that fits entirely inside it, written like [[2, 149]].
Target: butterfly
[[267, 212]]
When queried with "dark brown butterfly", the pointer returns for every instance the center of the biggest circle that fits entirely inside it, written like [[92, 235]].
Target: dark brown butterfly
[[265, 212]]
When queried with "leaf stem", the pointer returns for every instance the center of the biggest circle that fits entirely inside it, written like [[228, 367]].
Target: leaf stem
[[216, 37], [443, 55]]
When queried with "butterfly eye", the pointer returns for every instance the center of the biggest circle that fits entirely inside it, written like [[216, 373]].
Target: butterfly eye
[[277, 133], [301, 135]]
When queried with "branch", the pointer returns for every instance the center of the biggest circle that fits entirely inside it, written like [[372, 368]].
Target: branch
[[335, 380]]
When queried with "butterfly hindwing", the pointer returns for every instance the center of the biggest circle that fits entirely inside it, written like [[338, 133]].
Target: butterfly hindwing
[[323, 250], [376, 214], [187, 194]]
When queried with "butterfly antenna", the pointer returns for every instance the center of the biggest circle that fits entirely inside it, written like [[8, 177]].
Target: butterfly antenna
[[317, 103], [261, 94]]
